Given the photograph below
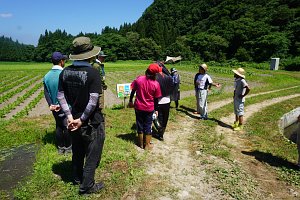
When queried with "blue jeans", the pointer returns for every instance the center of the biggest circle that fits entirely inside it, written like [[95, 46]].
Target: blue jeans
[[87, 144]]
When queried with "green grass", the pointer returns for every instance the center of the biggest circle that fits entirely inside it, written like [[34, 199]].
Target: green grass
[[270, 145], [263, 133], [122, 167]]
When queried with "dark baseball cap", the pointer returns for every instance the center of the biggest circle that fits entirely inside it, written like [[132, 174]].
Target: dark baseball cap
[[57, 56]]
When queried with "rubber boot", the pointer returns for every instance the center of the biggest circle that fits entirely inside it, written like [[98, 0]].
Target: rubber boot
[[161, 133], [148, 145], [141, 140], [235, 124], [240, 127]]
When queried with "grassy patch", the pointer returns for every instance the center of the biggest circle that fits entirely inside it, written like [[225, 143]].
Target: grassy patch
[[121, 167], [262, 131], [273, 148]]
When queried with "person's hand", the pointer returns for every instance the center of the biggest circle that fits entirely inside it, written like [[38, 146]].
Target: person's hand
[[57, 108], [130, 105], [75, 124], [70, 121], [218, 85], [52, 107]]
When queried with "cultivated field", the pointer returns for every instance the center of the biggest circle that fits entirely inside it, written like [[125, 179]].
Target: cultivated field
[[197, 160]]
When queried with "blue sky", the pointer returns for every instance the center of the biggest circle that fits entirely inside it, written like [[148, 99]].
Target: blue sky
[[26, 20]]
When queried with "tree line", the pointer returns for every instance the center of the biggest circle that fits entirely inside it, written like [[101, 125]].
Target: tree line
[[208, 30]]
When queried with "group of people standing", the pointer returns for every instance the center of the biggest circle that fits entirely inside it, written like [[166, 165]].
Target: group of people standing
[[154, 92], [203, 83], [75, 95], [158, 87]]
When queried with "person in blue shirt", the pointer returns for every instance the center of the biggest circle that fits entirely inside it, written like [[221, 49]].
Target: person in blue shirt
[[50, 81]]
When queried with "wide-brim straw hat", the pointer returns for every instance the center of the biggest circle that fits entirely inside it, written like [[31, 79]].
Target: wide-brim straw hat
[[203, 66], [83, 49], [240, 72]]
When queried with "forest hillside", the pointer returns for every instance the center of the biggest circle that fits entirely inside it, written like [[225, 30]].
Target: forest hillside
[[207, 30]]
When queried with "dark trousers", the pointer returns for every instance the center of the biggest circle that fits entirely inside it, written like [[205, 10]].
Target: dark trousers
[[62, 136], [176, 104], [163, 115], [143, 121], [87, 146]]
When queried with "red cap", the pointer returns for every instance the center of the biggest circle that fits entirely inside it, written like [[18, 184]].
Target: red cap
[[160, 69], [154, 68]]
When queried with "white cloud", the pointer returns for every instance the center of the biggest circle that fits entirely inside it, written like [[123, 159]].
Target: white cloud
[[6, 15]]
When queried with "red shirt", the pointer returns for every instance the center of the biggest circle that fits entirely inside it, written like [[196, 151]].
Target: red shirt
[[146, 91]]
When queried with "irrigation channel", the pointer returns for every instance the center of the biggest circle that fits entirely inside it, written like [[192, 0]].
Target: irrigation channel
[[15, 165]]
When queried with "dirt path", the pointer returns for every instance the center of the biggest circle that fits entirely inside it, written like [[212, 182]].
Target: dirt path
[[179, 173], [180, 176], [270, 187]]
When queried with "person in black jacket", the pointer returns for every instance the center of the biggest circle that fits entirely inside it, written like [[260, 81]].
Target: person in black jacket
[[165, 81], [79, 87]]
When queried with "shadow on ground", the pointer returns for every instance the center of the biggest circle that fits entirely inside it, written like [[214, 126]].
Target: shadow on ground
[[271, 159], [64, 170], [129, 136], [188, 111], [49, 138], [220, 123]]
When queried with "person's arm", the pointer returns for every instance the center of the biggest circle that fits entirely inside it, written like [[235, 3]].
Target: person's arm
[[211, 83], [156, 104], [195, 80], [65, 108], [246, 91], [47, 95], [216, 84], [130, 103], [90, 107]]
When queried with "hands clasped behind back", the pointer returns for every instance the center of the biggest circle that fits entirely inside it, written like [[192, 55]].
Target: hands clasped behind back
[[74, 124]]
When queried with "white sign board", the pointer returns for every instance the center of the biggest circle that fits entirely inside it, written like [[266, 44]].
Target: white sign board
[[123, 90]]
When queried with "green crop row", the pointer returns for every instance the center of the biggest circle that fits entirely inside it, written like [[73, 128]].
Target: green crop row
[[19, 100], [8, 95]]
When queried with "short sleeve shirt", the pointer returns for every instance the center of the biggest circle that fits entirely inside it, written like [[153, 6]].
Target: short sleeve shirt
[[146, 91], [203, 80], [239, 88]]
